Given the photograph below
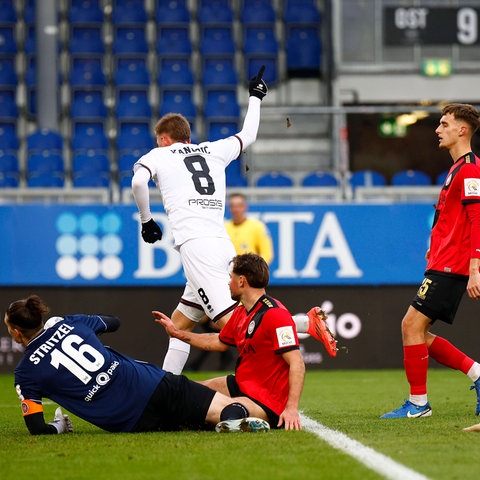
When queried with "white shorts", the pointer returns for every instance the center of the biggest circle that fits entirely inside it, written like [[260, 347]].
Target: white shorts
[[206, 263]]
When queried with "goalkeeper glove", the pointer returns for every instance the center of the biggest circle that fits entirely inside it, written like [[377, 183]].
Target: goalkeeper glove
[[61, 422], [151, 232], [257, 87]]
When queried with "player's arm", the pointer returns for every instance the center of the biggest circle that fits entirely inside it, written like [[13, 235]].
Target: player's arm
[[290, 417], [151, 232], [35, 421], [257, 89], [473, 286], [112, 323], [204, 341]]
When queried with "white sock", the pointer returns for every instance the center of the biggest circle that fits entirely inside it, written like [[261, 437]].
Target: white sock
[[474, 372], [176, 357], [301, 322], [419, 400]]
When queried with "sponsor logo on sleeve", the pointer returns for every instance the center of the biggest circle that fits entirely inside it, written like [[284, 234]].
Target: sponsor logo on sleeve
[[472, 187], [285, 336]]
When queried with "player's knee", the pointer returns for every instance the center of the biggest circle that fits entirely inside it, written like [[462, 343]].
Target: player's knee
[[234, 411]]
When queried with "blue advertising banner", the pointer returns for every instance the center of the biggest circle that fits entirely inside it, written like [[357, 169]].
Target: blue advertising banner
[[98, 245]]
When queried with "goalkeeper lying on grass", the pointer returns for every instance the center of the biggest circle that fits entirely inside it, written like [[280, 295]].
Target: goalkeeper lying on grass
[[65, 361]]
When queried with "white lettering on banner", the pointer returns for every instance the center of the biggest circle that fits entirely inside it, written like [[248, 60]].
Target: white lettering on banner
[[347, 325], [146, 252], [331, 231], [286, 239]]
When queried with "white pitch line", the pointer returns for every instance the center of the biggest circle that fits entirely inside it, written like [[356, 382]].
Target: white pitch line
[[372, 459]]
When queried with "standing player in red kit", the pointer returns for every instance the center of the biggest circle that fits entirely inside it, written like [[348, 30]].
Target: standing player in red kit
[[270, 370], [453, 265]]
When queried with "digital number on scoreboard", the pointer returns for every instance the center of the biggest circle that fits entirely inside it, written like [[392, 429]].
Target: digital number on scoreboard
[[431, 26]]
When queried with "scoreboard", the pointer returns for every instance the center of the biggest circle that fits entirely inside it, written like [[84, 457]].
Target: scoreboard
[[431, 26]]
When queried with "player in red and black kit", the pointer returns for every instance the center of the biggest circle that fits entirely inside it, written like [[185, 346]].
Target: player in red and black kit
[[270, 370], [453, 265]]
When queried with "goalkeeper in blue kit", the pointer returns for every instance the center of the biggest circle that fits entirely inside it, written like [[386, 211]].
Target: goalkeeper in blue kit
[[64, 360]]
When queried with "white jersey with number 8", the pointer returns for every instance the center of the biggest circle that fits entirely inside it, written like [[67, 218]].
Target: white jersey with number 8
[[191, 180]]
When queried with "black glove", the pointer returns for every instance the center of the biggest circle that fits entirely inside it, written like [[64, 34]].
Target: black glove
[[151, 232], [257, 87]]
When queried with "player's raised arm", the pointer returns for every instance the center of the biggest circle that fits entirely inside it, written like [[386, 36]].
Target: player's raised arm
[[151, 232], [257, 89]]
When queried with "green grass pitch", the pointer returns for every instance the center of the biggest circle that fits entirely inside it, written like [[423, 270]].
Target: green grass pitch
[[348, 401]]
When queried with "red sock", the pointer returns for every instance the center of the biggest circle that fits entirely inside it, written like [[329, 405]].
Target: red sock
[[447, 354], [415, 360]]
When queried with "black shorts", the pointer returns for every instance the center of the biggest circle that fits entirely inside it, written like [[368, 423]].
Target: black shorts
[[177, 403], [235, 391], [439, 296]]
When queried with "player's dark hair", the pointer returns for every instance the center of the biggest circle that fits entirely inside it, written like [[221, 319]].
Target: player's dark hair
[[463, 111], [27, 313], [174, 125], [253, 267]]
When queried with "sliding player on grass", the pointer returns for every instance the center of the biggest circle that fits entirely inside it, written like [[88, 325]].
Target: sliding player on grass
[[65, 361], [270, 369]]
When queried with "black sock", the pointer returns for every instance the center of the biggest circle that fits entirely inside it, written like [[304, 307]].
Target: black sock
[[234, 411]]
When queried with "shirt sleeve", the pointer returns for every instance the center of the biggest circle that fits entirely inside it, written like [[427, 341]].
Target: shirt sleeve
[[140, 190], [282, 328], [470, 176], [227, 333]]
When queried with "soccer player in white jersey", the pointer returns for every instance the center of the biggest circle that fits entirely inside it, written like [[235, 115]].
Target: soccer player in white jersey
[[191, 179]]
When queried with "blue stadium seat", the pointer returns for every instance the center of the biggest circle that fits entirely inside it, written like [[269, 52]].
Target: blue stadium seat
[[8, 137], [221, 104], [8, 45], [86, 40], [8, 76], [8, 180], [90, 169], [45, 163], [174, 42], [131, 72], [133, 104], [7, 12], [9, 171], [214, 12], [125, 167], [135, 137], [320, 179], [441, 177], [304, 52], [8, 106], [301, 12], [85, 12], [217, 42], [367, 178], [176, 75], [178, 101], [172, 12], [257, 12], [128, 12], [411, 177], [44, 139], [45, 181], [234, 176], [85, 180], [274, 179], [89, 136], [218, 130], [218, 73], [260, 47], [87, 74], [129, 40], [88, 104]]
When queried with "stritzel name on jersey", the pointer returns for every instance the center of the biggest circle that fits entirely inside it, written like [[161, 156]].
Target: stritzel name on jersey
[[60, 333]]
